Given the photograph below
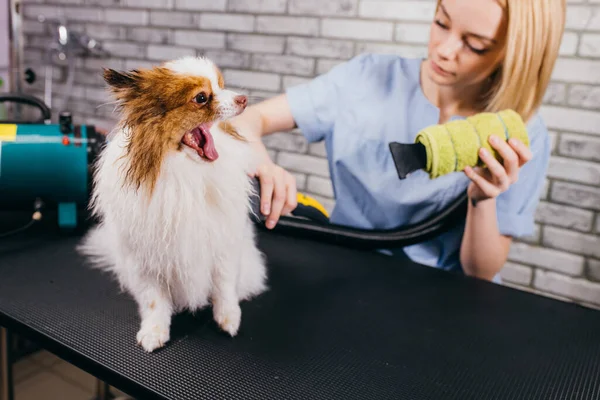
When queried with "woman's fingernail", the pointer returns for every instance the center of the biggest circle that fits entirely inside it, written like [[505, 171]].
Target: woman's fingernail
[[270, 224]]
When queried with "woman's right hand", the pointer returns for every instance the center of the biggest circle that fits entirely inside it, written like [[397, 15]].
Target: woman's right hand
[[277, 192], [277, 186]]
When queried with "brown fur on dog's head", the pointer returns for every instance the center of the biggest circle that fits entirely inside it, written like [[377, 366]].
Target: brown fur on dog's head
[[160, 105]]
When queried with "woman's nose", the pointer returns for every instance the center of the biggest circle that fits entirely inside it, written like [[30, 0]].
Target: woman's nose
[[450, 47]]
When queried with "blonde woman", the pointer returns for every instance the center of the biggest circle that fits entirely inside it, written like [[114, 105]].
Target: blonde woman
[[484, 55]]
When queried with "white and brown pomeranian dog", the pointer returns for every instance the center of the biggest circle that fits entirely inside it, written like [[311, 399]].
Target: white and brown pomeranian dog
[[172, 191]]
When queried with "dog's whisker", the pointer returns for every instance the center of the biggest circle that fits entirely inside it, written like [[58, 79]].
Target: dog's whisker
[[116, 103]]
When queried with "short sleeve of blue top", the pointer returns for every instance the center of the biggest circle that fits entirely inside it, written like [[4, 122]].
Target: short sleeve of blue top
[[360, 106]]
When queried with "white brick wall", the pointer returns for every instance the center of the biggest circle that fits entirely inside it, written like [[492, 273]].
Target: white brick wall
[[421, 11], [197, 39], [264, 46], [127, 17], [287, 25], [257, 6], [252, 79], [361, 30], [256, 43], [227, 22], [200, 5], [337, 8], [173, 19], [317, 47]]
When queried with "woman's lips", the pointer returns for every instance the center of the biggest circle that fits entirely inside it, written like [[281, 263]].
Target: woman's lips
[[439, 70]]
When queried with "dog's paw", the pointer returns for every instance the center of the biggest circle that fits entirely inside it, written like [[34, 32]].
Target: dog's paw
[[228, 317], [152, 338]]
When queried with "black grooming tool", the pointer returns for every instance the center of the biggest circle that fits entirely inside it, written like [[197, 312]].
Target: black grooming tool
[[408, 157]]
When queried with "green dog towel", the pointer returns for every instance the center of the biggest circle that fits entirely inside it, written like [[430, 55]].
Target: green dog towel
[[452, 146]]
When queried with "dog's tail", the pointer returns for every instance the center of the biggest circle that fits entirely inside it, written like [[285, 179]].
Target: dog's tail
[[98, 247]]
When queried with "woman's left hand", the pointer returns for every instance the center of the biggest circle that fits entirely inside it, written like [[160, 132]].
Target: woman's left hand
[[490, 182]]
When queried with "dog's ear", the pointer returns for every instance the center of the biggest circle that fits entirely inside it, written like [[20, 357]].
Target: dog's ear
[[125, 86], [121, 80]]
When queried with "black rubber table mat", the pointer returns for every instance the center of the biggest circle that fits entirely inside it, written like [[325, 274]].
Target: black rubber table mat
[[336, 324]]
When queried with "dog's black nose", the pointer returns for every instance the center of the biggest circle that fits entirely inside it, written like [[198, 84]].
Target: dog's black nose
[[241, 100]]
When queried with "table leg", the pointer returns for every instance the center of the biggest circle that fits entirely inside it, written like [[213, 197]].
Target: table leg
[[102, 391], [6, 380]]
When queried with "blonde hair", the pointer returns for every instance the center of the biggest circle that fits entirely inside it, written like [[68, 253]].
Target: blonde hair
[[533, 39]]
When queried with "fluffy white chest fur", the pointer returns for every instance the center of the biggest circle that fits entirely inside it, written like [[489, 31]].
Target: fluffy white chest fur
[[190, 244]]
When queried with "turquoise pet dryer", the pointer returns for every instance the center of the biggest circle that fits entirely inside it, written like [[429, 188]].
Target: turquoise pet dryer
[[46, 165]]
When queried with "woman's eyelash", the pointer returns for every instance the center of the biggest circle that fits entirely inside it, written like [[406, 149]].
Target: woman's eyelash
[[476, 51]]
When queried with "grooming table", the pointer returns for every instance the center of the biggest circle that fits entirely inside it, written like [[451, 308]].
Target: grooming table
[[337, 323]]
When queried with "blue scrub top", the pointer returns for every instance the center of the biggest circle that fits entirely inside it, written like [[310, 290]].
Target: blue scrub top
[[358, 108]]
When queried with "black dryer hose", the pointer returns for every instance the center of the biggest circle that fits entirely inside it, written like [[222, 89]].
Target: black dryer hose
[[398, 237]]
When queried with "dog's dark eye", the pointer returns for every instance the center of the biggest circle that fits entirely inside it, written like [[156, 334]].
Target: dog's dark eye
[[201, 98]]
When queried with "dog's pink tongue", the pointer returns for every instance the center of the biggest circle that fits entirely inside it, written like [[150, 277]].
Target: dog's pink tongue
[[209, 149]]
